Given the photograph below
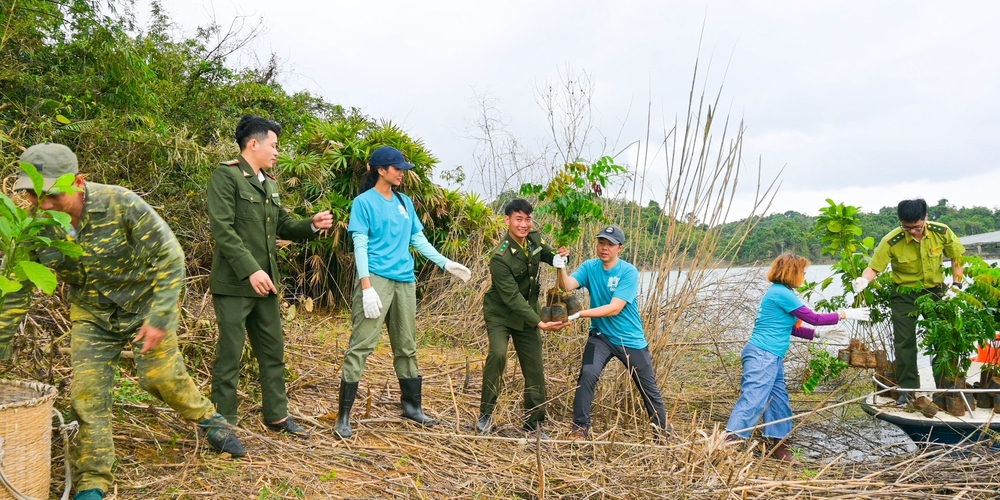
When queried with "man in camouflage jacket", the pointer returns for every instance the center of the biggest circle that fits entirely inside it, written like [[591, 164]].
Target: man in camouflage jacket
[[123, 288]]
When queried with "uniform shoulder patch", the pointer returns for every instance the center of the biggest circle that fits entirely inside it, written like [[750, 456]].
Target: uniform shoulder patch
[[896, 239], [937, 227], [503, 247], [230, 163]]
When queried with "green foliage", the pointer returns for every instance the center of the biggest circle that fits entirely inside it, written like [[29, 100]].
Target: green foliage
[[156, 114], [839, 229], [323, 172], [21, 234], [822, 367], [954, 325], [572, 197]]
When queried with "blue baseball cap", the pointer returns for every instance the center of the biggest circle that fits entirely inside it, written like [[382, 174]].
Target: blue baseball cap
[[386, 156]]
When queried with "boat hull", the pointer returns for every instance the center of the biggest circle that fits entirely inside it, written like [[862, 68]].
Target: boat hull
[[982, 425]]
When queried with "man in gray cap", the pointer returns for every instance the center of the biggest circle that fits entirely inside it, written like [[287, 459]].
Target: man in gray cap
[[123, 288], [616, 330]]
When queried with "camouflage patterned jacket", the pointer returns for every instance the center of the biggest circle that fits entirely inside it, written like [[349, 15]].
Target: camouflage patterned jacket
[[130, 259]]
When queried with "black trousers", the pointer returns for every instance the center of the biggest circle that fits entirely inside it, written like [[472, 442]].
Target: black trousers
[[596, 356]]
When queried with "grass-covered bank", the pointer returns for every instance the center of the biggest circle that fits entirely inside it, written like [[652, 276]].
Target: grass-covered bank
[[160, 457], [840, 453]]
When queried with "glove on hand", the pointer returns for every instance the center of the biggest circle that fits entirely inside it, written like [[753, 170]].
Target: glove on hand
[[462, 272], [372, 303], [831, 335], [558, 261], [574, 316], [859, 284], [858, 313]]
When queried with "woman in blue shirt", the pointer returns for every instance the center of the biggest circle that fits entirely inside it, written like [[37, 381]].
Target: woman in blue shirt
[[779, 317], [383, 225]]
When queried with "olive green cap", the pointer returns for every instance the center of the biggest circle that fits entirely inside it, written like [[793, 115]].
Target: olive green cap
[[52, 161]]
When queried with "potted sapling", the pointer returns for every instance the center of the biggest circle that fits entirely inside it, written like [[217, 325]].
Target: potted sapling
[[572, 199]]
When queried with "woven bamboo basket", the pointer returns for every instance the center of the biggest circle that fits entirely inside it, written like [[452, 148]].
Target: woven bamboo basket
[[26, 430]]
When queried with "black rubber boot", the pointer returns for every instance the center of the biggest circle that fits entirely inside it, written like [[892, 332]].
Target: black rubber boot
[[348, 391], [409, 396]]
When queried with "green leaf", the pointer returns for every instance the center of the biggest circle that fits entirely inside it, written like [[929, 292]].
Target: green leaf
[[826, 283], [68, 248], [62, 119], [62, 218], [8, 286], [36, 178], [834, 226], [40, 275], [64, 184]]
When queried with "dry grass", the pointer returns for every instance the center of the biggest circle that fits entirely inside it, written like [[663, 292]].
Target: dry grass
[[841, 454]]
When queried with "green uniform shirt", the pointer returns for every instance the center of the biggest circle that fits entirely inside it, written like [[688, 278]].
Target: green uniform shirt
[[130, 259], [247, 217], [513, 298], [914, 262]]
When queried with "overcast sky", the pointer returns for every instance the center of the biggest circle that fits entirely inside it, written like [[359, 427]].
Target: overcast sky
[[867, 103]]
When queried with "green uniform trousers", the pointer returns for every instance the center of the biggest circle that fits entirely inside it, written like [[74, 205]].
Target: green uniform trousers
[[904, 335], [259, 319], [528, 346], [96, 345], [399, 313]]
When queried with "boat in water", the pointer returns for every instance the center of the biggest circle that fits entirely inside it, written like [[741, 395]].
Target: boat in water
[[978, 424]]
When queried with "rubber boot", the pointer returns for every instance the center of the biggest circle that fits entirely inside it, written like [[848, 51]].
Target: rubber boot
[[348, 391], [409, 396]]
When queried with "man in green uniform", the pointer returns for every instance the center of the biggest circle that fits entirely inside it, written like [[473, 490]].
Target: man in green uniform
[[511, 311], [123, 288], [915, 251], [247, 217]]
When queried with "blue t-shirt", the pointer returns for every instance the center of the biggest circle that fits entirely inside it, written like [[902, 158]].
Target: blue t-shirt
[[389, 225], [622, 282], [772, 331]]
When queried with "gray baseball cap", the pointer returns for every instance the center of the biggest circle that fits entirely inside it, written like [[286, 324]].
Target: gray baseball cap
[[614, 234], [52, 161]]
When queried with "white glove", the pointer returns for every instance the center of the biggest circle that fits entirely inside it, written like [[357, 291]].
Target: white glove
[[459, 270], [858, 313], [558, 261], [573, 316], [373, 304], [859, 284], [831, 335]]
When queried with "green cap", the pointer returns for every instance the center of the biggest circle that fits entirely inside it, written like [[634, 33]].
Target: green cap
[[52, 161]]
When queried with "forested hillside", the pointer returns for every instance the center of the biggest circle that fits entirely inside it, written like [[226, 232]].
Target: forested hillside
[[156, 114], [793, 232]]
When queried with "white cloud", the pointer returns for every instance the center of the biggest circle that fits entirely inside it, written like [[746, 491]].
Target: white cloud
[[857, 99]]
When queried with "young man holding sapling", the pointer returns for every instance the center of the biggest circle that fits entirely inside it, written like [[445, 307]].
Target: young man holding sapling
[[616, 330], [511, 311]]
